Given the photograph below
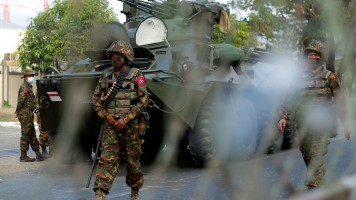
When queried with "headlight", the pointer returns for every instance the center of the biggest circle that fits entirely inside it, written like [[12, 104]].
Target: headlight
[[42, 83], [151, 32], [55, 83]]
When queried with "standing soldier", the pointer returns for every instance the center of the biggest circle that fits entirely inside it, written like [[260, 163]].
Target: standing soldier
[[314, 112], [24, 112], [120, 98], [43, 134]]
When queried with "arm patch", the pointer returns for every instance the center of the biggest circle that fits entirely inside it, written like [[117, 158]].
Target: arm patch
[[141, 81]]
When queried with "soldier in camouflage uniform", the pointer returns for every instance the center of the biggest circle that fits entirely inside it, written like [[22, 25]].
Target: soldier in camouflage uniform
[[24, 112], [314, 112], [44, 143], [121, 112]]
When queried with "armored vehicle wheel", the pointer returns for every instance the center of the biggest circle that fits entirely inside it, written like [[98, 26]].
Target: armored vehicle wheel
[[152, 145], [225, 129]]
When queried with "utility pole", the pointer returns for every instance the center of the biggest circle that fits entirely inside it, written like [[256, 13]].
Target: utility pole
[[45, 5], [6, 11]]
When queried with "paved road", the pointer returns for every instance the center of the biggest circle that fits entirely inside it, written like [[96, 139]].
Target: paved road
[[274, 176]]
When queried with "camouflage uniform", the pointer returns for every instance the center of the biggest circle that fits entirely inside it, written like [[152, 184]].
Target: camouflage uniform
[[314, 116], [44, 139], [43, 134], [128, 104], [25, 106]]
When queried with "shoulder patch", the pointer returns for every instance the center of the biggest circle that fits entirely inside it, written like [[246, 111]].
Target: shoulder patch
[[141, 81]]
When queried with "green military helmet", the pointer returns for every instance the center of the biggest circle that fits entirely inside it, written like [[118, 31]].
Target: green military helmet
[[318, 47], [122, 47]]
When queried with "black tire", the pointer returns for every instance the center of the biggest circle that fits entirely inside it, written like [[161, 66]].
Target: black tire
[[225, 129], [200, 141], [152, 145]]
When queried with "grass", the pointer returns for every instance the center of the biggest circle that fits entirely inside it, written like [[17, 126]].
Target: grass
[[7, 115]]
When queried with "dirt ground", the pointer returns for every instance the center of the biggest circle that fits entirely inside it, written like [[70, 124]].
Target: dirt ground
[[10, 142], [7, 114], [10, 151], [12, 164]]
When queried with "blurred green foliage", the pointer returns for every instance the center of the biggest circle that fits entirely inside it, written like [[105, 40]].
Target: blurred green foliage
[[63, 30], [240, 33], [267, 18], [304, 19], [294, 24], [6, 104]]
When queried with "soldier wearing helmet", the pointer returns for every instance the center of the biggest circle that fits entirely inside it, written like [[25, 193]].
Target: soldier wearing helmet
[[317, 54], [120, 98], [312, 111], [26, 104]]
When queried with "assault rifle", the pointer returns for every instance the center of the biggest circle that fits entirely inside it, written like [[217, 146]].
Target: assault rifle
[[95, 157]]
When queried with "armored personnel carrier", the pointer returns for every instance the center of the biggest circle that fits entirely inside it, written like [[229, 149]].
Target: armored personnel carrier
[[200, 93]]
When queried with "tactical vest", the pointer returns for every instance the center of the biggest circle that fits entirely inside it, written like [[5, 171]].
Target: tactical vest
[[316, 88], [126, 97], [315, 105]]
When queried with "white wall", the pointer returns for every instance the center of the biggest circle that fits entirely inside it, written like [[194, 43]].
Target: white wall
[[9, 40]]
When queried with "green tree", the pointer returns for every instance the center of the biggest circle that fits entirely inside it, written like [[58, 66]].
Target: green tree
[[302, 21], [63, 30], [240, 33], [267, 18]]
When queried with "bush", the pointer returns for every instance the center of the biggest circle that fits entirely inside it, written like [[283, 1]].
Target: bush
[[6, 104]]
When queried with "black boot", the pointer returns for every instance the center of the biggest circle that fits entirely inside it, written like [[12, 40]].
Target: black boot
[[39, 156], [311, 187], [44, 151]]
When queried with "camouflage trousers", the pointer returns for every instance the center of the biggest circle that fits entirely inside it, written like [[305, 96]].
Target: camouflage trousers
[[43, 135], [313, 146], [28, 133], [117, 145]]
